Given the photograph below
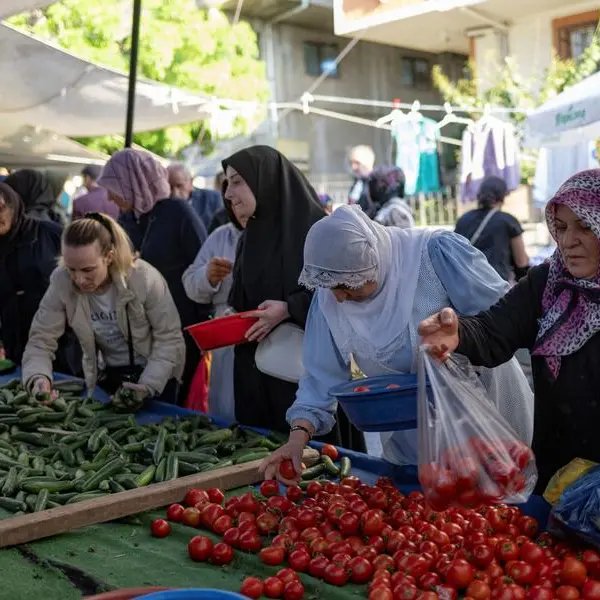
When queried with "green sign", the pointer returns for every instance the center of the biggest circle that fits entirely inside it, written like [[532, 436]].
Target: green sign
[[569, 117]]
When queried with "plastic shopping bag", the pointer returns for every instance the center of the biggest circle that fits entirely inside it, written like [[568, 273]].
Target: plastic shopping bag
[[578, 510], [564, 478], [468, 454], [197, 398]]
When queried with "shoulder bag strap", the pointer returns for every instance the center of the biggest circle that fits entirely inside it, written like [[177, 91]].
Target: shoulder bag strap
[[473, 239], [129, 339]]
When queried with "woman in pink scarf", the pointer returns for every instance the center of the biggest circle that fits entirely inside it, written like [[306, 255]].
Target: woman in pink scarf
[[555, 312], [165, 231]]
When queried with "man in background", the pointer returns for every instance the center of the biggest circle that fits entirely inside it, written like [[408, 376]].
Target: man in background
[[362, 161], [205, 202], [96, 198]]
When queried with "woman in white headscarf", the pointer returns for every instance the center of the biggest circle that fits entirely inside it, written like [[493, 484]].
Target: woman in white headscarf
[[374, 285]]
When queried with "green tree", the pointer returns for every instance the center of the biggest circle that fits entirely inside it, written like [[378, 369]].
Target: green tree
[[180, 45]]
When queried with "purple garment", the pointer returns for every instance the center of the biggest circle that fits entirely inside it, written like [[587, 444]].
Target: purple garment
[[486, 163], [96, 200]]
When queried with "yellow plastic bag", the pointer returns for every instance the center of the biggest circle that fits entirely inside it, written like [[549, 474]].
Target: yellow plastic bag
[[566, 477]]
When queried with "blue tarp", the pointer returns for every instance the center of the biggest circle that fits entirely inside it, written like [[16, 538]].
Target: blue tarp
[[366, 467]]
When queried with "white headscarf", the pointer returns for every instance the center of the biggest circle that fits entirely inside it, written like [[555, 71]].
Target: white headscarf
[[348, 249]]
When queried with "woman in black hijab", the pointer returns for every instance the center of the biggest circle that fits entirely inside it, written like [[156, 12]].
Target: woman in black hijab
[[37, 194], [275, 205]]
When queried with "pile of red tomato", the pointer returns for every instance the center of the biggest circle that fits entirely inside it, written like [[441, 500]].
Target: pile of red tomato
[[397, 545], [480, 472]]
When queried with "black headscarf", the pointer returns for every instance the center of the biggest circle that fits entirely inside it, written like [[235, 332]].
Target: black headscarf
[[33, 187], [269, 256], [21, 224]]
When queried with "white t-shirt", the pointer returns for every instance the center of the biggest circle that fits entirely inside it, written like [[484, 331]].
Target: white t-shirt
[[109, 339]]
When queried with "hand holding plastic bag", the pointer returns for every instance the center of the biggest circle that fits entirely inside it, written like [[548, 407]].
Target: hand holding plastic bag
[[468, 454]]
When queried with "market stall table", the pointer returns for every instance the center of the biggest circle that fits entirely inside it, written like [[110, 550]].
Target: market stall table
[[122, 554]]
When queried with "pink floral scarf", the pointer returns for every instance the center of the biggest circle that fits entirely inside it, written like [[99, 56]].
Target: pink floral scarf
[[571, 307], [136, 177]]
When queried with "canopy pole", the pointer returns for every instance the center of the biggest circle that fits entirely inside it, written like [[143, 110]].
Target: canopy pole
[[133, 62]]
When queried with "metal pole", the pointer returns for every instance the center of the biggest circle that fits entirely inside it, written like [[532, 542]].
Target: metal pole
[[133, 61]]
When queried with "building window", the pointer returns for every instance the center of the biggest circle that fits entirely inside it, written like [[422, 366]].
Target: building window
[[416, 72], [574, 34], [319, 59]]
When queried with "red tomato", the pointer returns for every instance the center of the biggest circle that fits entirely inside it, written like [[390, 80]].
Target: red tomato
[[361, 570], [429, 581], [317, 565], [349, 523], [566, 592], [523, 573], [429, 596], [299, 560], [509, 592], [482, 555], [507, 550], [267, 522], [160, 528], [572, 572], [538, 592], [361, 388], [406, 592], [445, 485], [249, 541], [294, 493], [194, 496], [222, 524], [313, 488], [175, 513], [200, 548], [460, 574], [331, 451], [591, 560], [209, 513], [215, 495], [446, 592], [294, 590], [591, 590], [372, 522], [528, 526], [248, 503], [191, 516], [232, 537], [273, 587], [269, 488], [531, 553], [384, 562], [380, 593], [252, 587], [306, 518], [272, 555], [479, 590], [222, 554], [286, 575], [335, 575]]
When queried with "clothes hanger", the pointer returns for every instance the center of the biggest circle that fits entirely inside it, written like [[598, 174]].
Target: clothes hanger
[[451, 117], [393, 116]]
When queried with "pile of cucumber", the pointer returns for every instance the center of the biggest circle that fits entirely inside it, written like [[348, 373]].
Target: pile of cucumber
[[64, 450]]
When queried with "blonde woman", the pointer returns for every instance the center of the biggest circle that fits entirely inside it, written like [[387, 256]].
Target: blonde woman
[[117, 306]]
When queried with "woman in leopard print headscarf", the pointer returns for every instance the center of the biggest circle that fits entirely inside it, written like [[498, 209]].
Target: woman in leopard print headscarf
[[555, 313]]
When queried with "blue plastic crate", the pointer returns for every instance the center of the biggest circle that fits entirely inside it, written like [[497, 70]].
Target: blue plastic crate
[[381, 408]]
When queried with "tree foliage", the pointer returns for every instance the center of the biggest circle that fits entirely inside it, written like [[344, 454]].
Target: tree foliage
[[180, 45]]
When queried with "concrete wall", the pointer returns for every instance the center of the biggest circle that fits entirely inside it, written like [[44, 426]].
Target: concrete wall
[[369, 71], [529, 43]]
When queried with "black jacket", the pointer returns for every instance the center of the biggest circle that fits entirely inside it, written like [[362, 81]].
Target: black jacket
[[24, 277], [169, 238], [567, 410]]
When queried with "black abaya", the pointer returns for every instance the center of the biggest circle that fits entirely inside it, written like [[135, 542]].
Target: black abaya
[[268, 262]]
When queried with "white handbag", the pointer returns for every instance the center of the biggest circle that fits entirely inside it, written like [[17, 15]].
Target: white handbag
[[280, 353]]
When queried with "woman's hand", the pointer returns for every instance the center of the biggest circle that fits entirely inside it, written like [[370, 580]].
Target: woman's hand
[[130, 396], [440, 333], [270, 313], [42, 385], [217, 269], [292, 450]]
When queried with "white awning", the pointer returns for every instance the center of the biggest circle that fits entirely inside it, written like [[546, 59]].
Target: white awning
[[49, 88], [24, 146], [571, 117]]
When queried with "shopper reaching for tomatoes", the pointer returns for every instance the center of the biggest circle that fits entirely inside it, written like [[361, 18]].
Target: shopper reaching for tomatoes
[[555, 313], [373, 285]]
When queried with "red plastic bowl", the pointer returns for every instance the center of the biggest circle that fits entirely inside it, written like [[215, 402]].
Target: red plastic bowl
[[221, 332]]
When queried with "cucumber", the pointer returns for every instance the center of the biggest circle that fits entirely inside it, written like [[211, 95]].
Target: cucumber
[[86, 496], [109, 469], [41, 501], [196, 457], [330, 466], [249, 457], [159, 446], [161, 471], [313, 472], [10, 483], [12, 505], [96, 437], [171, 467], [215, 437], [345, 466], [33, 485]]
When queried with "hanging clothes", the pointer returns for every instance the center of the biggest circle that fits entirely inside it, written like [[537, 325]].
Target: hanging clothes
[[556, 164], [417, 155], [489, 147]]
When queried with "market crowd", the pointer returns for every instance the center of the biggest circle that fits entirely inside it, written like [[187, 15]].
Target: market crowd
[[108, 294]]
